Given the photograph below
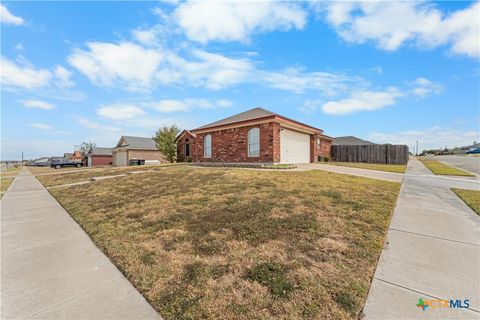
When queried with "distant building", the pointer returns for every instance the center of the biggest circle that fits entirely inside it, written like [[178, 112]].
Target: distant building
[[350, 141], [136, 151], [99, 156]]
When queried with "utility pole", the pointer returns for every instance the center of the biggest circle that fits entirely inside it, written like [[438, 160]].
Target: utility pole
[[22, 158], [417, 149]]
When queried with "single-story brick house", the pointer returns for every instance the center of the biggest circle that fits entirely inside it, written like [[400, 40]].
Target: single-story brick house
[[98, 156], [254, 136], [136, 151]]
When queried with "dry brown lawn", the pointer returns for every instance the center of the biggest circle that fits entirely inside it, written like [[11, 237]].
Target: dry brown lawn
[[6, 179], [53, 177], [221, 243]]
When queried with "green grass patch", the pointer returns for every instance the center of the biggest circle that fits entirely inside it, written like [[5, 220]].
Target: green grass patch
[[398, 168], [441, 168], [470, 197], [211, 243], [272, 275]]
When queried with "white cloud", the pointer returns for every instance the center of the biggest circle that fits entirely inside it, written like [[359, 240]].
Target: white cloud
[[298, 81], [423, 87], [145, 36], [368, 100], [41, 126], [37, 104], [170, 105], [120, 111], [236, 20], [197, 68], [62, 77], [209, 70], [363, 101], [224, 103], [89, 124], [108, 64], [24, 76], [6, 17], [429, 138], [392, 24]]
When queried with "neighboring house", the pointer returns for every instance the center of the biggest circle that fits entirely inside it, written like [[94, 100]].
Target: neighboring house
[[350, 141], [67, 156], [98, 156], [254, 136], [136, 151], [78, 155]]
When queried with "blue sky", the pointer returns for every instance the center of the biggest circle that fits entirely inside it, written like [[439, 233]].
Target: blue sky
[[388, 72]]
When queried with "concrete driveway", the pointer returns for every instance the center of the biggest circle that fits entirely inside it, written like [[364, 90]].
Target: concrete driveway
[[468, 163]]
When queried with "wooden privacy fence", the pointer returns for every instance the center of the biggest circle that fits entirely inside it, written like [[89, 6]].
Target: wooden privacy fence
[[377, 153]]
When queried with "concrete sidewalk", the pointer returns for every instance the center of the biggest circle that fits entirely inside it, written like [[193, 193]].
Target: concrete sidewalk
[[50, 267], [433, 251]]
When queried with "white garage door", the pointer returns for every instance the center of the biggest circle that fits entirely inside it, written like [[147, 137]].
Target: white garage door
[[121, 159], [294, 147]]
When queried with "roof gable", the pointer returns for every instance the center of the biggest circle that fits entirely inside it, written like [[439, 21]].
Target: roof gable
[[251, 115], [131, 142], [101, 151]]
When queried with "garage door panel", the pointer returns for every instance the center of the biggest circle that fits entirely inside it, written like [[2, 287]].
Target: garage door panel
[[294, 147]]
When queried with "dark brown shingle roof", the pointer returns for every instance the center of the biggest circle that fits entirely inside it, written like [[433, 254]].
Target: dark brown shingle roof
[[351, 141], [251, 114]]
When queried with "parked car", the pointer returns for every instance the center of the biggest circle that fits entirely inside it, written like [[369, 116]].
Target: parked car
[[40, 164], [473, 151], [57, 164]]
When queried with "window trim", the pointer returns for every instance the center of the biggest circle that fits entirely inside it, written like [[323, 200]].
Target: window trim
[[205, 146], [248, 143]]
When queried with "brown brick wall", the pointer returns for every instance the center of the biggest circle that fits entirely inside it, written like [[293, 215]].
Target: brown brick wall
[[146, 155], [323, 150], [101, 160], [230, 145]]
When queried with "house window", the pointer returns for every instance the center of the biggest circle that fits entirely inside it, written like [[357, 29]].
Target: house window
[[254, 142], [319, 142], [207, 146], [187, 149]]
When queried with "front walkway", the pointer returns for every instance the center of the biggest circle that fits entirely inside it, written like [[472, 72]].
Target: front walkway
[[433, 251], [50, 267]]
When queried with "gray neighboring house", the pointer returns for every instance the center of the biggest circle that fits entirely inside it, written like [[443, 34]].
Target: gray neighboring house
[[136, 151], [350, 141]]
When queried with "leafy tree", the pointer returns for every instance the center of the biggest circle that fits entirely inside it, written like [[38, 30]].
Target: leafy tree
[[165, 139], [85, 146]]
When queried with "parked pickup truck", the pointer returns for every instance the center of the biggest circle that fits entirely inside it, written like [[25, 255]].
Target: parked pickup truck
[[57, 164]]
